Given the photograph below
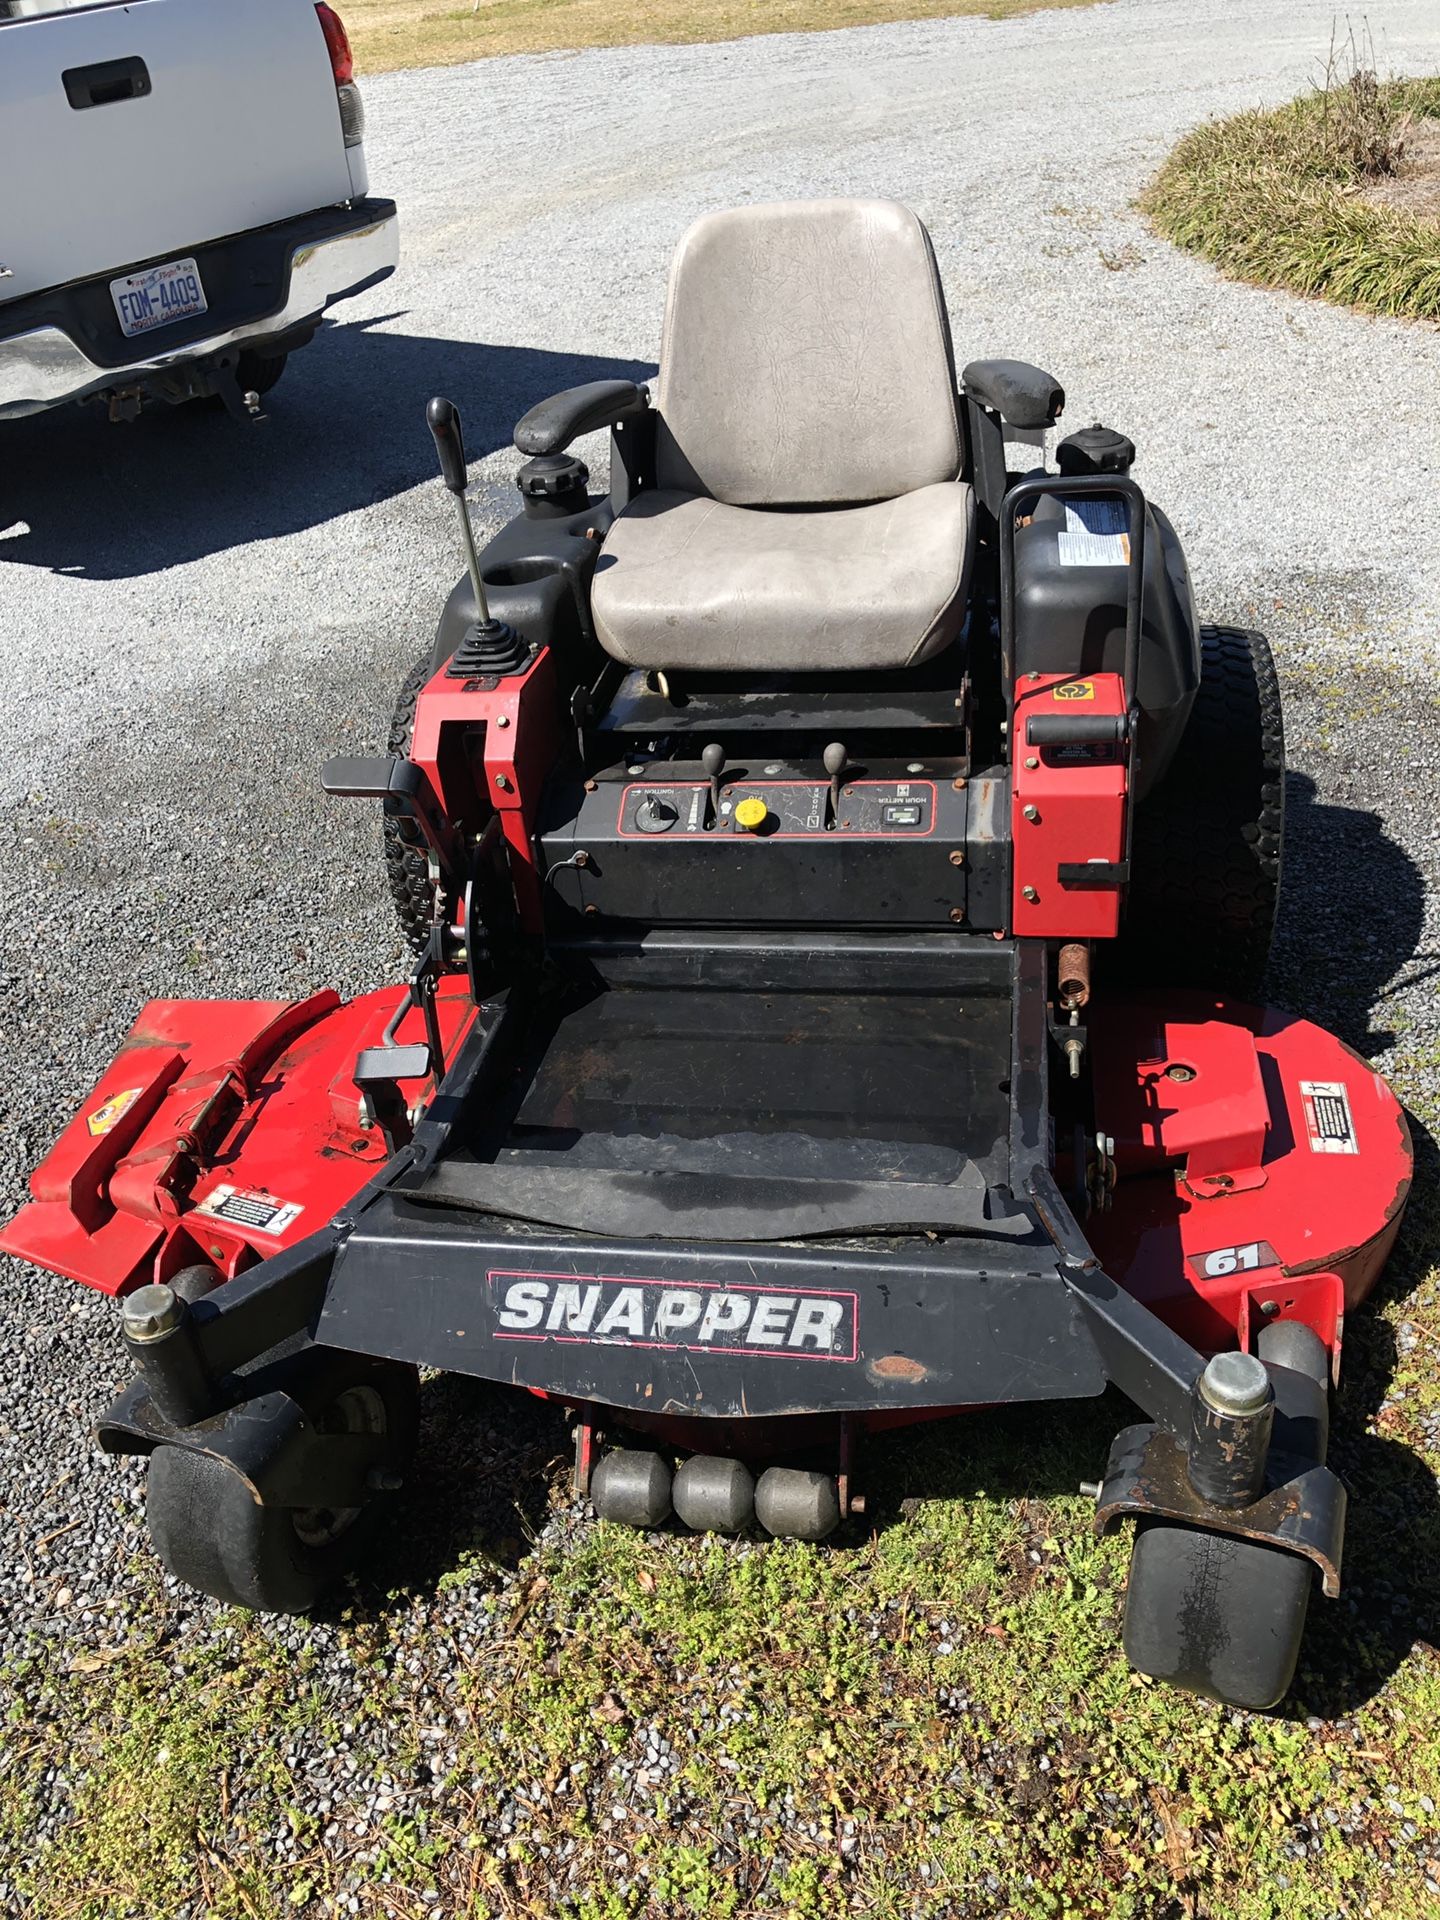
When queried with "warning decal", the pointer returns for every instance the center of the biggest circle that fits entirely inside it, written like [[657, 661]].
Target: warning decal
[[1096, 534], [1328, 1119], [261, 1212], [1074, 690], [111, 1112]]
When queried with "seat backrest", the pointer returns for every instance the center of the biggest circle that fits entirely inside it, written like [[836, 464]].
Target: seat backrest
[[806, 357]]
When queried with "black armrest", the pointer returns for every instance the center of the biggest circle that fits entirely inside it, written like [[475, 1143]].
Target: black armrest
[[1023, 395], [550, 427]]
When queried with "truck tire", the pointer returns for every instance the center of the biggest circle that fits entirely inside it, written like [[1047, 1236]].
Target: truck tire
[[405, 865], [259, 372], [1207, 842]]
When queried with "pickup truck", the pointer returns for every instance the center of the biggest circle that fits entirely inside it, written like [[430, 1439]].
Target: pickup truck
[[185, 193]]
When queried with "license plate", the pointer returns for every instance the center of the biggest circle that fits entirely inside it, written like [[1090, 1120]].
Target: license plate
[[157, 296]]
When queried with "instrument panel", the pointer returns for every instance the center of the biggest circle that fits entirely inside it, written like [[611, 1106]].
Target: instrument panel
[[777, 809]]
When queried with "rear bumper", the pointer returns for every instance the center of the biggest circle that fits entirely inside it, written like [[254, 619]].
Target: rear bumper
[[66, 343], [709, 1330]]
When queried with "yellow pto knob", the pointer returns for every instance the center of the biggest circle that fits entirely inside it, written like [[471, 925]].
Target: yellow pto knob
[[751, 814]]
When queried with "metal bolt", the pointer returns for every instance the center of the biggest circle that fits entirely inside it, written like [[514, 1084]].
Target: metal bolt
[[1032, 761], [1270, 1308], [1033, 674], [1031, 813], [1182, 1074], [1091, 1489], [592, 908], [957, 914], [959, 783], [582, 859], [1235, 1383], [151, 1313], [1028, 893], [915, 766], [502, 720], [636, 770], [957, 857], [502, 783], [590, 786]]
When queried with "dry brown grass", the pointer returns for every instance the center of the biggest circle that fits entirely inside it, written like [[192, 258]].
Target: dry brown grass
[[412, 33]]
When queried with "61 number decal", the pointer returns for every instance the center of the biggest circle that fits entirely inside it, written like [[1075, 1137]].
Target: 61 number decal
[[1225, 1261]]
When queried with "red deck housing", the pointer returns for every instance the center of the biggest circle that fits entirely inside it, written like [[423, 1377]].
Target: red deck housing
[[223, 1131]]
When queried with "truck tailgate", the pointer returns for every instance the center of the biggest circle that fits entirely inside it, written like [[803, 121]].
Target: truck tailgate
[[235, 125]]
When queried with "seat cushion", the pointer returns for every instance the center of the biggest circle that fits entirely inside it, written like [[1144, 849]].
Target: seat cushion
[[686, 582]]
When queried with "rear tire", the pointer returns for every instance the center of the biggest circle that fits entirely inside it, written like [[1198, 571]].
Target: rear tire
[[406, 868], [1207, 843]]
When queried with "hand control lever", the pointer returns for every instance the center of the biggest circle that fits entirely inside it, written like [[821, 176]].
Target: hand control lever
[[713, 762], [491, 646], [835, 760]]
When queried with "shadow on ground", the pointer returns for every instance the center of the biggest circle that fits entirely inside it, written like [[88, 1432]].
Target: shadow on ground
[[346, 429], [1352, 912]]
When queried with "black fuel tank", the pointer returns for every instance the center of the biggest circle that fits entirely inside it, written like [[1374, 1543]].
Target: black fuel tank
[[1070, 580]]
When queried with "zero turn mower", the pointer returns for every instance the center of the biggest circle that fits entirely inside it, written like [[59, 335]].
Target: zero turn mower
[[839, 870]]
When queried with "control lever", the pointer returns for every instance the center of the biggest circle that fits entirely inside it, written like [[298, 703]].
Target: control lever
[[490, 646], [835, 760], [713, 761]]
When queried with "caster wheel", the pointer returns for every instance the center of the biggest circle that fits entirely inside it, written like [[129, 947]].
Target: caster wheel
[[714, 1495], [796, 1504], [632, 1488], [212, 1534], [193, 1283], [1215, 1615]]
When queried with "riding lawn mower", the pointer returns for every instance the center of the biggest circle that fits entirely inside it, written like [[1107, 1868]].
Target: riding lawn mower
[[839, 871]]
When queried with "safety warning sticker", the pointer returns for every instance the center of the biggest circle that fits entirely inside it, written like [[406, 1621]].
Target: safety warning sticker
[[1096, 534], [261, 1212], [1328, 1119], [1074, 690], [111, 1112]]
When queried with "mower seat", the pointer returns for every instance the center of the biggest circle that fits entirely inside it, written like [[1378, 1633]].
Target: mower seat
[[807, 514]]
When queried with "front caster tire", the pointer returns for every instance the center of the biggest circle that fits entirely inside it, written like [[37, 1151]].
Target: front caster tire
[[212, 1534], [1222, 1616], [1215, 1615]]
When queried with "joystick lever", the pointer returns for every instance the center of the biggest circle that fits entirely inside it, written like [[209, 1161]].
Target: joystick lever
[[713, 761], [490, 646], [443, 418], [835, 760]]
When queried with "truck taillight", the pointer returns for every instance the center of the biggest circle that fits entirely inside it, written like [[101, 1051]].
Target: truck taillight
[[342, 61]]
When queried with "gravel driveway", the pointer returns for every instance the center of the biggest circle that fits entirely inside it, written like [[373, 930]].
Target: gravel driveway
[[196, 614]]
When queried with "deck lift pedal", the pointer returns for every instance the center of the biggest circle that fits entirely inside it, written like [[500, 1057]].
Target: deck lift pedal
[[839, 870]]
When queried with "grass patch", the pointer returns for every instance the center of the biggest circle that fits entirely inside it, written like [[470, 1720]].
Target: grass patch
[[1291, 197], [409, 33]]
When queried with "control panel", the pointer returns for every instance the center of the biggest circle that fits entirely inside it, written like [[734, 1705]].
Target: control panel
[[779, 809]]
